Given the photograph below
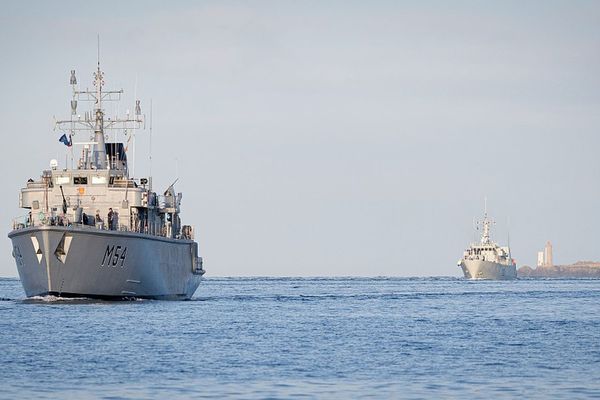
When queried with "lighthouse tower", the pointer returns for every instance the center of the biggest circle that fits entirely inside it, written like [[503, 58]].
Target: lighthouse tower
[[548, 255]]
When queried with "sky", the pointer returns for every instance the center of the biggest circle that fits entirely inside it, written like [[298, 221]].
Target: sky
[[330, 138]]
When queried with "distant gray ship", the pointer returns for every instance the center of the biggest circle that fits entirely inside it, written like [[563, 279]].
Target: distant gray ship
[[487, 260], [94, 231]]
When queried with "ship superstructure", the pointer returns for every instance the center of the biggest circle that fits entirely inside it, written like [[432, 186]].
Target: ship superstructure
[[486, 259], [92, 230]]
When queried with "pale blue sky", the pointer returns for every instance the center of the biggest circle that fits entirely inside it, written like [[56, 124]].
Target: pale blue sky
[[332, 137]]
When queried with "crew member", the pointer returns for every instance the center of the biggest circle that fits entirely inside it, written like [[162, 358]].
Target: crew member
[[99, 220], [110, 218]]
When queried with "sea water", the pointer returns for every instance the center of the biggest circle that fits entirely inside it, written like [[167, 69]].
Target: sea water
[[310, 338]]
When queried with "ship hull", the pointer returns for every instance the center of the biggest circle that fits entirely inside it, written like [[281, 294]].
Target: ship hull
[[83, 262], [479, 269]]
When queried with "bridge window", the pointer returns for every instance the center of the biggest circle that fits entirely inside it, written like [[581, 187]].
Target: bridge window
[[61, 180]]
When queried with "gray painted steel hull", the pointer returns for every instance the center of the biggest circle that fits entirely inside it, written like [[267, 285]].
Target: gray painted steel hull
[[479, 269], [70, 261]]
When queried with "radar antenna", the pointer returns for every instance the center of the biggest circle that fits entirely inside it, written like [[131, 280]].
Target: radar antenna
[[96, 123]]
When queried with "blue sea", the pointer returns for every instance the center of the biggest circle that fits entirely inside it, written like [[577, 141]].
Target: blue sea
[[257, 338]]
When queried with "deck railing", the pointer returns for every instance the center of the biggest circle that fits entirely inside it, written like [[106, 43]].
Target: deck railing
[[47, 219]]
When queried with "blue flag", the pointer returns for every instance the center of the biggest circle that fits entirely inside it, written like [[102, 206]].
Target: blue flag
[[65, 140]]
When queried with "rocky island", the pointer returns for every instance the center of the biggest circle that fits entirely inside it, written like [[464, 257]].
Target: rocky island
[[581, 269]]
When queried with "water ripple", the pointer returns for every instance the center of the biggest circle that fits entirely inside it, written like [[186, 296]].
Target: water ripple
[[344, 337]]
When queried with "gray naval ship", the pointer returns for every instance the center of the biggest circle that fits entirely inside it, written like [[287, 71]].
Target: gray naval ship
[[486, 259], [92, 230]]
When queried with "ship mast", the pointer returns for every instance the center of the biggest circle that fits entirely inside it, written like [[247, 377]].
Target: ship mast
[[99, 150], [485, 238], [97, 123]]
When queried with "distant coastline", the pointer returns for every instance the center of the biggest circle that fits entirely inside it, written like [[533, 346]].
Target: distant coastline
[[581, 269]]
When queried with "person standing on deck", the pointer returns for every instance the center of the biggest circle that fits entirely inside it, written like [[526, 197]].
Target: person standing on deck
[[109, 220]]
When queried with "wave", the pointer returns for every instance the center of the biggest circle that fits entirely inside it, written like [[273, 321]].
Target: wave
[[52, 299]]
